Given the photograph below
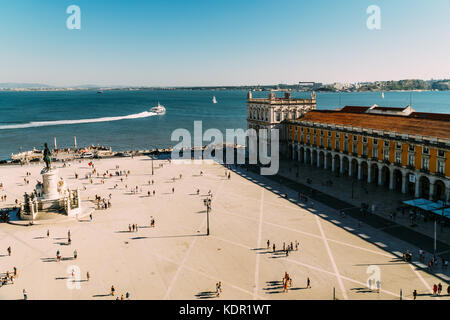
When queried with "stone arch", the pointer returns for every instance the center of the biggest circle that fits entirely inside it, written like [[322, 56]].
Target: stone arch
[[364, 170], [397, 180], [314, 157], [410, 186], [329, 159], [385, 176], [308, 156], [424, 187], [346, 163], [439, 190], [337, 163], [354, 164], [374, 172], [302, 155], [321, 159]]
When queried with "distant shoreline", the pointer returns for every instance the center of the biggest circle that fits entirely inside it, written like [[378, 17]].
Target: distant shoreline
[[204, 89]]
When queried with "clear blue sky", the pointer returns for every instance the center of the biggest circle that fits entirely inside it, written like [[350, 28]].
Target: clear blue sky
[[222, 42]]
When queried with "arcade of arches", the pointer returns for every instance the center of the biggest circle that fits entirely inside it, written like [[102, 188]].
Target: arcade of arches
[[395, 178]]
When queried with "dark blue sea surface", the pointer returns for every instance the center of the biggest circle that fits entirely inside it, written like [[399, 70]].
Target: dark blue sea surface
[[27, 119]]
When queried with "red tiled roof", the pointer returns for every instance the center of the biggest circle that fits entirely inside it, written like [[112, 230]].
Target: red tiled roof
[[430, 125]]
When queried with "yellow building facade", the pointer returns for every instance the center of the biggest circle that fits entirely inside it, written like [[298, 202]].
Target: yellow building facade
[[400, 149]]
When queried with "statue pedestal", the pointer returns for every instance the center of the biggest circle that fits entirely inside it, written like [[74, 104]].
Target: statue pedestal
[[50, 184]]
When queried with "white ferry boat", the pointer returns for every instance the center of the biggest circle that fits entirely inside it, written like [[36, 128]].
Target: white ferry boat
[[159, 109]]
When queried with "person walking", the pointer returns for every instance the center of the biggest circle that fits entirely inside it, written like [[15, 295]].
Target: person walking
[[439, 288], [415, 294], [25, 295], [113, 290], [48, 233], [75, 254], [9, 251], [88, 276], [268, 244], [217, 290], [308, 283], [435, 288], [273, 247]]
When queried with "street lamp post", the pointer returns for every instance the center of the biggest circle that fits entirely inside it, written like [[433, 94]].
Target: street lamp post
[[153, 173], [207, 203], [152, 157]]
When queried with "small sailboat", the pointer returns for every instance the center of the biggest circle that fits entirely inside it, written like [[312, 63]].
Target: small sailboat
[[214, 100], [382, 95]]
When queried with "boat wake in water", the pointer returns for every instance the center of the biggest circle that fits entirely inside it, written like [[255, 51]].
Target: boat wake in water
[[144, 114]]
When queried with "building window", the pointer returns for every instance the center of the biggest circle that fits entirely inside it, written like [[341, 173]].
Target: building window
[[411, 159], [386, 143], [426, 150], [440, 166], [354, 147], [386, 154], [411, 148], [321, 133], [301, 137], [425, 163], [295, 134], [337, 134], [336, 145], [364, 139], [329, 143], [314, 140], [321, 142], [398, 158], [307, 138], [346, 146], [364, 150], [278, 116], [375, 141], [398, 146], [441, 153], [355, 138], [375, 153], [329, 133]]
